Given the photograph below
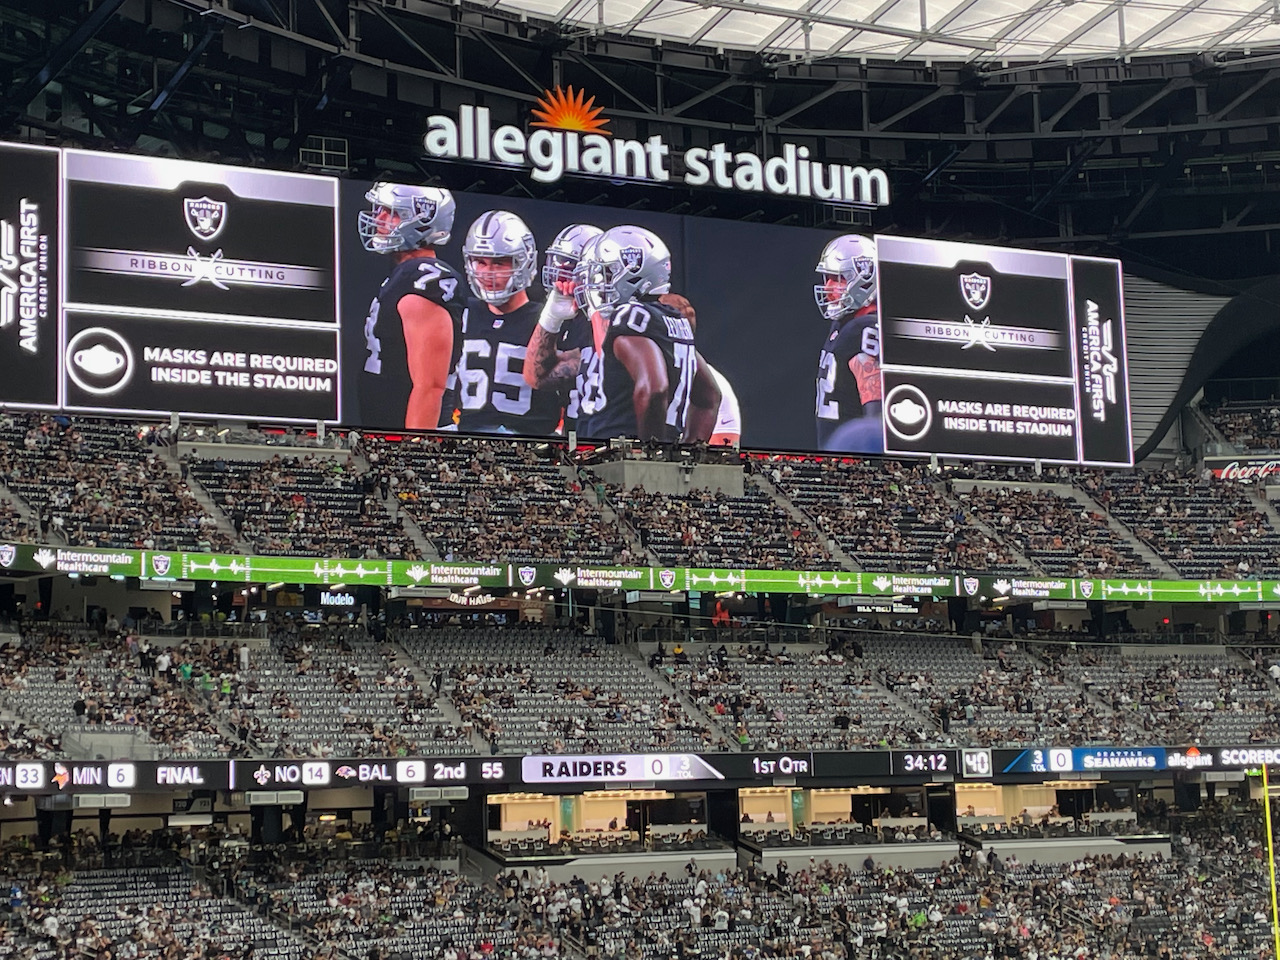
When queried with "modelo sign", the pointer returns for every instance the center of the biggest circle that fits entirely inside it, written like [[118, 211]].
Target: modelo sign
[[573, 139], [1243, 468]]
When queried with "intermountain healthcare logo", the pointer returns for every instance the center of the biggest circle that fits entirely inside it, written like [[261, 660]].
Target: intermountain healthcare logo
[[205, 217]]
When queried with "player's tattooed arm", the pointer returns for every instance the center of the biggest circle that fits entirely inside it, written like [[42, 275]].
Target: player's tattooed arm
[[546, 366], [704, 405]]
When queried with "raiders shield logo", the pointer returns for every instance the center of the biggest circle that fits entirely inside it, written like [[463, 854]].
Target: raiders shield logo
[[8, 553], [527, 575], [1086, 588], [159, 564], [667, 578], [425, 208], [976, 289], [205, 217], [971, 585], [632, 258]]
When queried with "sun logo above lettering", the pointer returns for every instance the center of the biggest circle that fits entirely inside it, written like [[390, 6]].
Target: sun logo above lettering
[[559, 109]]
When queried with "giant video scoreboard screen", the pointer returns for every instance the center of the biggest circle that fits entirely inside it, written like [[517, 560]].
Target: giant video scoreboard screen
[[138, 285], [996, 353]]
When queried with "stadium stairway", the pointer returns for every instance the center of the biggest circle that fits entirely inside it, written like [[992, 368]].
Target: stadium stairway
[[847, 562], [426, 547], [422, 674], [15, 504], [1141, 549], [1022, 561], [172, 463], [640, 653], [625, 531]]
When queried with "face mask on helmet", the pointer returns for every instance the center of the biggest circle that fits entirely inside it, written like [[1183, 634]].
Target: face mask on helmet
[[500, 256], [626, 263], [405, 217], [847, 277], [566, 253]]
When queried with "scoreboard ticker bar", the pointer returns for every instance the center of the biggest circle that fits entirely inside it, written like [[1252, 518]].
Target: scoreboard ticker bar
[[669, 770], [160, 565]]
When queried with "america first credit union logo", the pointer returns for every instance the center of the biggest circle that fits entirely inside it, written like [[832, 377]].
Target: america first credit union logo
[[205, 217], [976, 289]]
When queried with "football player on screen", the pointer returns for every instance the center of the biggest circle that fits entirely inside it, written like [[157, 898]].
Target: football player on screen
[[494, 395], [555, 349], [642, 377], [412, 330], [850, 395], [728, 429]]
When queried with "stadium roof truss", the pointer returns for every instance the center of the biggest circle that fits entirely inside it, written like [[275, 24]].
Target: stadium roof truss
[[1045, 120], [984, 31]]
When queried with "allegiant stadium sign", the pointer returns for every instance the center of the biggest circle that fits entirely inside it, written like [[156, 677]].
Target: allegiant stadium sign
[[553, 152]]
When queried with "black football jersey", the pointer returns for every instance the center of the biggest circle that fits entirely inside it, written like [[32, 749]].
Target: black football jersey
[[606, 403], [492, 395], [385, 383], [576, 335], [841, 395]]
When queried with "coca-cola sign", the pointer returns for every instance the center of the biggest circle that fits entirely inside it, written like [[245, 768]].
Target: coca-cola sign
[[1243, 468]]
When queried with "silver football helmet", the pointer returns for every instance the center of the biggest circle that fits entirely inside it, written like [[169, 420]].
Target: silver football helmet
[[565, 253], [425, 217], [851, 258], [500, 234], [625, 262]]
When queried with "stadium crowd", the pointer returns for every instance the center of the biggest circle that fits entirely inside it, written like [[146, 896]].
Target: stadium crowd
[[95, 483], [1207, 900]]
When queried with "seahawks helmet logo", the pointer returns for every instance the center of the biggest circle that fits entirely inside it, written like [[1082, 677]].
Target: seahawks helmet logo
[[632, 258], [424, 208], [205, 217], [971, 585], [976, 289], [8, 553], [160, 564], [527, 575]]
